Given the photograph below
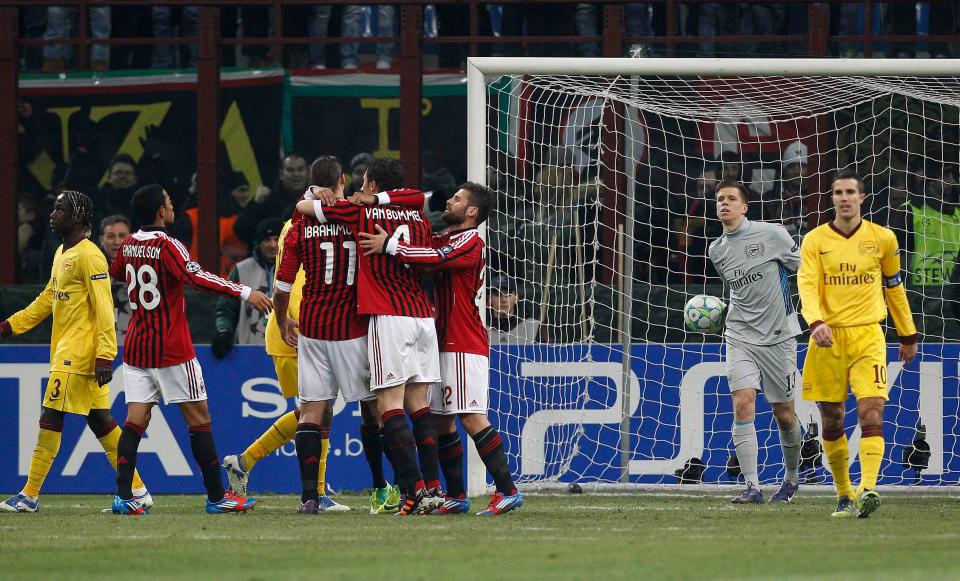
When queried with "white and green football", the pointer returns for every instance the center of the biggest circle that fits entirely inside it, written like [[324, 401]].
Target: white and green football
[[704, 314]]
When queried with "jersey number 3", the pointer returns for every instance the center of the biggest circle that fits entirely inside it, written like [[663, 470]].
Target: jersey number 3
[[142, 282]]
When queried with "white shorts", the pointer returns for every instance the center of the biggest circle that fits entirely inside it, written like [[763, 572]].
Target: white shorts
[[771, 369], [402, 349], [327, 368], [465, 384], [175, 384]]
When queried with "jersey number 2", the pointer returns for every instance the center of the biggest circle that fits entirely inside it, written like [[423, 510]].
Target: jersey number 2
[[143, 282]]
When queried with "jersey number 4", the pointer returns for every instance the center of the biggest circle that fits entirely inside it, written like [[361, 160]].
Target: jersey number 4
[[142, 284]]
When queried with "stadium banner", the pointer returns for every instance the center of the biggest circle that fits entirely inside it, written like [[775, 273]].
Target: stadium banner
[[678, 399], [316, 106], [151, 116]]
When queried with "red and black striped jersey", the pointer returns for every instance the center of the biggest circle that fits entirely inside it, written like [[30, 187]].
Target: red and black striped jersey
[[328, 253], [155, 268], [460, 258], [385, 285]]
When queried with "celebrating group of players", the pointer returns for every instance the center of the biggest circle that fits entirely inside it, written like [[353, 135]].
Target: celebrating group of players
[[849, 272], [351, 319]]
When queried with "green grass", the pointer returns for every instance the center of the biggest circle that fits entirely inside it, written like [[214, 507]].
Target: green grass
[[590, 536]]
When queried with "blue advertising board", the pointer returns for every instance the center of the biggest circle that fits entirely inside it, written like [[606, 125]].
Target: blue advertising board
[[558, 408]]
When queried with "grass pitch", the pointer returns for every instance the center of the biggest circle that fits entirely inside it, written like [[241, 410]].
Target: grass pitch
[[595, 536]]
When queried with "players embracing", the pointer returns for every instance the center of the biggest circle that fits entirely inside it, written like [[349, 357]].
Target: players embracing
[[459, 256], [402, 339]]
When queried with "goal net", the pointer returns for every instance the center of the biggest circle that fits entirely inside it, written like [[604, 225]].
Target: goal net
[[605, 173]]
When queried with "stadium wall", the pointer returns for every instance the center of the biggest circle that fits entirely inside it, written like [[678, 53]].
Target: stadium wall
[[679, 401]]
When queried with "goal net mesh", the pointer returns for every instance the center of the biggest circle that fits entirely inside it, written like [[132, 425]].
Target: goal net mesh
[[605, 208]]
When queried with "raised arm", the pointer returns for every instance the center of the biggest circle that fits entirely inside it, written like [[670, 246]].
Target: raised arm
[[29, 317], [177, 260]]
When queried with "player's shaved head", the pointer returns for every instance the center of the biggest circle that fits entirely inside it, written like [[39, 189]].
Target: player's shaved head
[[326, 171], [481, 197], [387, 172]]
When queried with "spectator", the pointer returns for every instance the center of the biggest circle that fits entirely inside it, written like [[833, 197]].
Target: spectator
[[62, 24], [701, 227], [933, 230], [888, 207], [115, 195], [113, 231], [85, 170], [505, 325], [278, 202], [943, 21], [33, 24], [385, 17], [901, 21], [165, 25], [235, 195], [787, 205], [454, 20], [318, 26], [637, 20], [129, 22], [535, 19], [358, 167], [240, 323]]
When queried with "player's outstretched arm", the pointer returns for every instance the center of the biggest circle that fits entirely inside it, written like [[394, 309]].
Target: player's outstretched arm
[[28, 318], [462, 253]]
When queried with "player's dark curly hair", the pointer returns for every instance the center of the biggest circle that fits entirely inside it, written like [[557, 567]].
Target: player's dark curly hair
[[325, 171], [744, 192], [146, 201], [387, 172], [81, 207], [481, 197]]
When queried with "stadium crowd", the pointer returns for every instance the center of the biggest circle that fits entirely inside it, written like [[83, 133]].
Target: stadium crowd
[[515, 19]]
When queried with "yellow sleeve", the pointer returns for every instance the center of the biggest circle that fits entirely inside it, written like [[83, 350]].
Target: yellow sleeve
[[808, 280], [97, 278], [38, 310], [895, 291]]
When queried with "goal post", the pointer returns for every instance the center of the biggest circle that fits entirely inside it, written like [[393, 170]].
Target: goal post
[[603, 170]]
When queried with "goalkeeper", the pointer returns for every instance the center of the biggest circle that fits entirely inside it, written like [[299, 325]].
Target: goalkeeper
[[754, 260], [846, 263]]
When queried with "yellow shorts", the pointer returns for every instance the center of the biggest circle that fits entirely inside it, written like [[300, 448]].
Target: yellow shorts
[[287, 374], [76, 394], [858, 359]]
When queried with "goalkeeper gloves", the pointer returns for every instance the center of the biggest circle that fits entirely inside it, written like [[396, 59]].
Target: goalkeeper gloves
[[221, 345]]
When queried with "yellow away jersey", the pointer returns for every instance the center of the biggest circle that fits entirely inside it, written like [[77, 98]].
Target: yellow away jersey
[[842, 279], [79, 297], [274, 343]]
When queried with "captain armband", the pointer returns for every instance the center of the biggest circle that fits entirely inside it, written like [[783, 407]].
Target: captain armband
[[892, 281]]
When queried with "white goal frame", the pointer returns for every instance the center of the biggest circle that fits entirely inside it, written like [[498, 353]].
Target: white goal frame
[[479, 68]]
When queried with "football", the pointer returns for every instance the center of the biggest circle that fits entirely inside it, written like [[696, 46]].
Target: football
[[704, 314]]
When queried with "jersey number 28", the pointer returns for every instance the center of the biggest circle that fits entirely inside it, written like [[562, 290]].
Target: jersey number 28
[[142, 282]]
